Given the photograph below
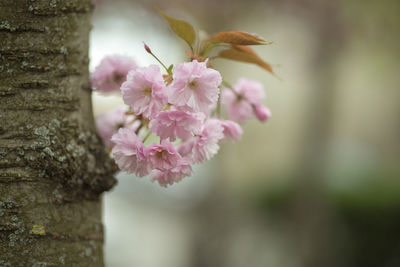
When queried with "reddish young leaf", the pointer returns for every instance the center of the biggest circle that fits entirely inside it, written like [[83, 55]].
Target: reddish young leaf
[[234, 54], [259, 61], [245, 54], [182, 28], [237, 38]]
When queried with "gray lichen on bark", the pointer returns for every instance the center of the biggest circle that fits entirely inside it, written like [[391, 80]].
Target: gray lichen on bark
[[53, 166]]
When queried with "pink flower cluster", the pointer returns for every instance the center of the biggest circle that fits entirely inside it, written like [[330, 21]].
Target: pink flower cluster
[[245, 101], [181, 108]]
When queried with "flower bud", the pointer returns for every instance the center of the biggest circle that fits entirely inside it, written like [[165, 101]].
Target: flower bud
[[232, 130], [147, 48], [262, 113]]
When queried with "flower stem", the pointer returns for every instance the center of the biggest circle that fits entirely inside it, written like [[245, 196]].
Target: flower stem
[[159, 61], [226, 84], [147, 136], [138, 129]]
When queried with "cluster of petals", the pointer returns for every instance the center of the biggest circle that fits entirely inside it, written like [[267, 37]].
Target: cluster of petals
[[244, 101], [167, 164], [175, 124], [111, 73], [194, 86], [129, 152], [205, 145], [173, 175], [144, 91], [163, 156]]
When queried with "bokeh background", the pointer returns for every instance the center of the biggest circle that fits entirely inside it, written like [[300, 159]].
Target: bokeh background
[[318, 185]]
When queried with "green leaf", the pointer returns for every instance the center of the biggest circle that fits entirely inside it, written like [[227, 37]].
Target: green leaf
[[169, 70], [183, 29]]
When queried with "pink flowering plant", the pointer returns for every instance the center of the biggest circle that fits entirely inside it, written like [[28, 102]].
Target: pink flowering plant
[[189, 107]]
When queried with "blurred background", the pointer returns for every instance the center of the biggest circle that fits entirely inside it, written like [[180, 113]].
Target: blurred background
[[318, 185]]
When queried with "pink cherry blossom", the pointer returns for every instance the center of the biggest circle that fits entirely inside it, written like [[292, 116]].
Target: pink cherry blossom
[[252, 91], [144, 91], [163, 156], [205, 145], [238, 109], [108, 123], [240, 101], [174, 175], [129, 153], [194, 86], [232, 130], [111, 73], [174, 124], [262, 113]]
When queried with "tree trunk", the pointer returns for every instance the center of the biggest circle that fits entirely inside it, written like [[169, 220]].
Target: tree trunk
[[53, 166]]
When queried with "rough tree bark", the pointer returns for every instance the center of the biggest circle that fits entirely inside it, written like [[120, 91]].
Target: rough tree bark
[[53, 166]]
